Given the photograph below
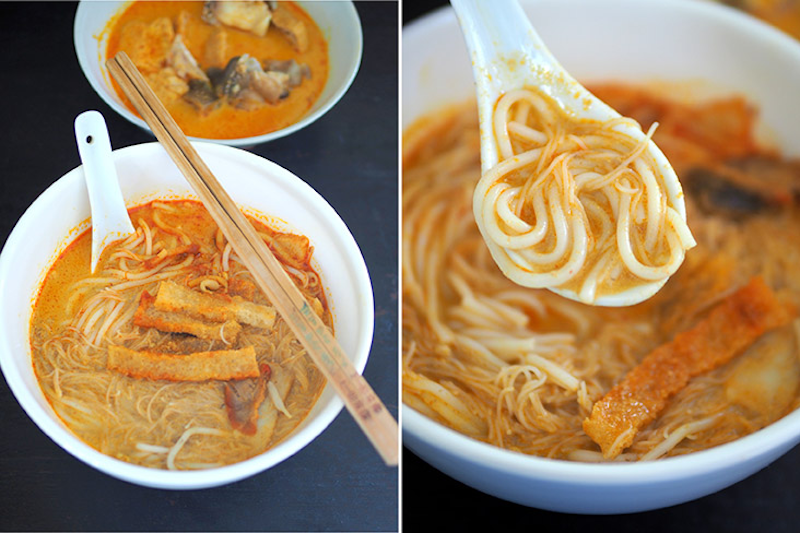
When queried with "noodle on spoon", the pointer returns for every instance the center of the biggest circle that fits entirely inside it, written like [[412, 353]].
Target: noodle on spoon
[[576, 204]]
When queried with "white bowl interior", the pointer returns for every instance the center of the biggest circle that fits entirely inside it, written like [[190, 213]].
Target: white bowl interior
[[146, 172], [338, 21], [712, 49]]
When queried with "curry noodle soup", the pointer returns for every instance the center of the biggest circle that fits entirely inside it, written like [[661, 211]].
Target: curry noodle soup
[[225, 70], [169, 355], [710, 358]]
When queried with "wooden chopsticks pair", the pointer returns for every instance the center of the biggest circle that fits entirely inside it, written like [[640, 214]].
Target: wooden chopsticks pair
[[359, 398]]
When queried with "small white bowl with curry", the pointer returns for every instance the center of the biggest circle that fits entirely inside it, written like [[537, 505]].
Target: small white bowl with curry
[[235, 73]]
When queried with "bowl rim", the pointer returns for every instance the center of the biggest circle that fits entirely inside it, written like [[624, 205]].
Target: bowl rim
[[605, 474], [104, 91], [49, 422], [425, 432]]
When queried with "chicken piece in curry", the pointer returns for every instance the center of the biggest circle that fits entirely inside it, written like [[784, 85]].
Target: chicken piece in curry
[[225, 69]]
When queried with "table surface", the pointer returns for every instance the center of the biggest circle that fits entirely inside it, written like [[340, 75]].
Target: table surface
[[767, 501], [338, 482]]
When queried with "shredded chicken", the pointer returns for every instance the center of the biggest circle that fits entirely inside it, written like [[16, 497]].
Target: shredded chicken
[[167, 84], [249, 15], [765, 381], [148, 44], [215, 52], [292, 27], [184, 63], [243, 398]]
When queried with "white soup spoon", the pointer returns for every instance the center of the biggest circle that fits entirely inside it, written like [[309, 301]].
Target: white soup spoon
[[508, 54], [110, 220]]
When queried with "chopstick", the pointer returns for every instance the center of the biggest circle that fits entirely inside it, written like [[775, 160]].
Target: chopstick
[[359, 398]]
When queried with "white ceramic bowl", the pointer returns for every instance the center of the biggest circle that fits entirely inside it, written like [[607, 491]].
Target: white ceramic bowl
[[145, 173], [622, 40], [338, 21]]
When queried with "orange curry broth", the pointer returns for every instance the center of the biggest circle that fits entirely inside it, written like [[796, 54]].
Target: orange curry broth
[[227, 122], [74, 262]]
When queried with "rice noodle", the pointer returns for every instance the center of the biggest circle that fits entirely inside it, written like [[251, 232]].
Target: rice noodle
[[520, 368], [150, 422], [546, 208]]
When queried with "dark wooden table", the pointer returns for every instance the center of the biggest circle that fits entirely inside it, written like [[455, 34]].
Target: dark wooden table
[[767, 501], [338, 482]]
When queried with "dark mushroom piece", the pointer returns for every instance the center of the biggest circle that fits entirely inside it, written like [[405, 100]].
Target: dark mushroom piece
[[246, 86], [714, 193], [201, 96], [296, 72], [744, 186]]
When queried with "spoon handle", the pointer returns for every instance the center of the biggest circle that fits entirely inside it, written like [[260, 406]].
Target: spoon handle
[[506, 26], [506, 54], [110, 219]]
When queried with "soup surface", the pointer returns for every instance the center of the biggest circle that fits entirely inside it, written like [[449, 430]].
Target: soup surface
[[527, 370], [221, 74], [169, 356]]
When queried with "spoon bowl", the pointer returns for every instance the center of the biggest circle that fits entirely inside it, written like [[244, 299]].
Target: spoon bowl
[[507, 54], [110, 220]]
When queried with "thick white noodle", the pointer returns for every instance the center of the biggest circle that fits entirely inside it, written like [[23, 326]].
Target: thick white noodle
[[575, 202]]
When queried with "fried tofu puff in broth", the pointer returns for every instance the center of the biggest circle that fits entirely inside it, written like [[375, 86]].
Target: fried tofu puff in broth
[[169, 356], [225, 69]]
